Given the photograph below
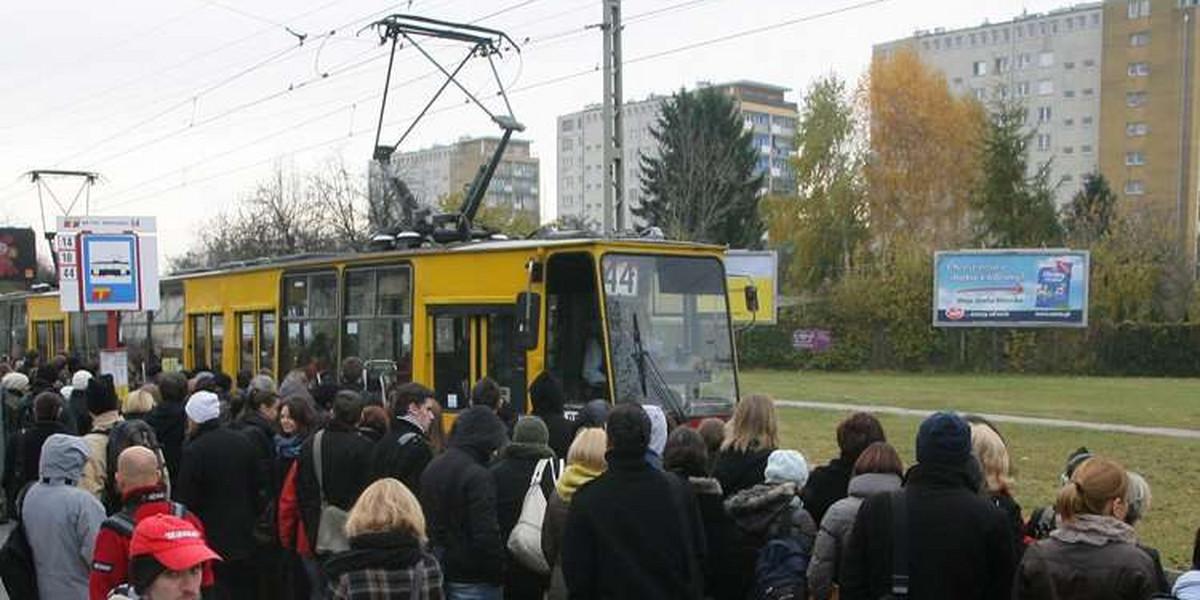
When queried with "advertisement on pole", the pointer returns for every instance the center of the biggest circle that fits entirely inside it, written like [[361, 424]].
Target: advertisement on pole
[[107, 263], [1011, 288], [760, 269]]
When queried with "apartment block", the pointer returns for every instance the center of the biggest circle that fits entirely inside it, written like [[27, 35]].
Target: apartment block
[[1052, 63], [434, 173], [764, 110], [1150, 119]]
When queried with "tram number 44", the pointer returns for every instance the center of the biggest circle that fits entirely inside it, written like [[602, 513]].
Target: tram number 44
[[621, 279]]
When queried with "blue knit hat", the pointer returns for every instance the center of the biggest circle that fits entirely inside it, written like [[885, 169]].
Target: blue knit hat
[[945, 439]]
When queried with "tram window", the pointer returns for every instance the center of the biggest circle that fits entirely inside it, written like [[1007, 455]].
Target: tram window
[[378, 317], [6, 326], [134, 335], [20, 334], [89, 332], [310, 321], [166, 329], [200, 342], [266, 341], [57, 337], [41, 331], [246, 328], [217, 326]]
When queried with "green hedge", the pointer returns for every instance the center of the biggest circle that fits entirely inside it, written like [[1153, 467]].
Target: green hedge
[[1145, 349]]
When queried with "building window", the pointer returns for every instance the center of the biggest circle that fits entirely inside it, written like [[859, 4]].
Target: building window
[[1043, 142], [1088, 91], [1138, 9], [1068, 122], [1089, 63], [1068, 178], [1043, 114], [974, 40], [568, 125], [1024, 61], [1086, 149], [1139, 39], [980, 68], [1134, 187], [1023, 88], [1135, 159], [1046, 59], [1045, 87], [1135, 99], [1069, 94], [1136, 129], [1002, 64], [1068, 150], [980, 93], [1068, 65], [1139, 69], [1086, 121]]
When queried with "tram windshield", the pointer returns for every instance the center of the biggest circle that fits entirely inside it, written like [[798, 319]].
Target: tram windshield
[[669, 333]]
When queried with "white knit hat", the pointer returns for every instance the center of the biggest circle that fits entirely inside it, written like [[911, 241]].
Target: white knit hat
[[787, 465], [80, 380], [203, 407]]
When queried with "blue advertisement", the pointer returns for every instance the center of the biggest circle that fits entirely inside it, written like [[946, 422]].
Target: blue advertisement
[[109, 270], [1010, 288]]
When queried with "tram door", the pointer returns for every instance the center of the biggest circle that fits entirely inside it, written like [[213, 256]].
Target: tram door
[[470, 343]]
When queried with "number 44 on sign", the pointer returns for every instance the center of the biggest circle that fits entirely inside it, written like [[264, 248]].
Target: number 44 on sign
[[621, 279]]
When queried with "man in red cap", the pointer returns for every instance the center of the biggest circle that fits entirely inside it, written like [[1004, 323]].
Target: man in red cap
[[139, 477], [166, 561]]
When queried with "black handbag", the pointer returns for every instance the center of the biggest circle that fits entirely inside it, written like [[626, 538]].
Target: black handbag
[[16, 558]]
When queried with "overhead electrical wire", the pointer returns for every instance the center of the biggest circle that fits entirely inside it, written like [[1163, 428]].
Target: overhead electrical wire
[[516, 90]]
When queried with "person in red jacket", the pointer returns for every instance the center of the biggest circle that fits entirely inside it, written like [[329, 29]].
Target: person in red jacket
[[139, 477]]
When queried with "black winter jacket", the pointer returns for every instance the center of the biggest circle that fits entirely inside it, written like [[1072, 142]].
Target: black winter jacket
[[458, 495], [345, 473], [218, 481], [762, 513], [561, 431], [25, 452], [959, 545], [402, 461], [740, 469], [170, 426], [826, 484], [513, 473], [633, 532]]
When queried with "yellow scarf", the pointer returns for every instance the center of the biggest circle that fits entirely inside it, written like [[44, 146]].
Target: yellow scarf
[[572, 478]]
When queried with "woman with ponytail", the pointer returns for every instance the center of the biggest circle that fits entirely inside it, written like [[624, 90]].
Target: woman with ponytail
[[1093, 554]]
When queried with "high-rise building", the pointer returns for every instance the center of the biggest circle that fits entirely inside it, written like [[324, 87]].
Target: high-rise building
[[1150, 116], [1051, 63], [765, 112], [433, 173]]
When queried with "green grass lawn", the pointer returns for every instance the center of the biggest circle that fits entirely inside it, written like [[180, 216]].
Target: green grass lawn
[[1135, 400], [1038, 453]]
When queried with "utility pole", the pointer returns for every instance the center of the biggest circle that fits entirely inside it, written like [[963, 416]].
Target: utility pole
[[614, 145]]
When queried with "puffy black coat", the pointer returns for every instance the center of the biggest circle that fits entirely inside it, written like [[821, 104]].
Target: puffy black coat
[[262, 436], [404, 462], [826, 484], [218, 481], [561, 431], [513, 473], [170, 427], [345, 456], [762, 513], [25, 452], [959, 542], [633, 532], [76, 414], [740, 469], [720, 539], [458, 495]]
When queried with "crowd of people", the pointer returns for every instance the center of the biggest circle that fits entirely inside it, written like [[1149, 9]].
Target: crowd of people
[[202, 486]]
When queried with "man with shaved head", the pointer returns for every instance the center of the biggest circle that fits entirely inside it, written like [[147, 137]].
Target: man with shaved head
[[139, 478]]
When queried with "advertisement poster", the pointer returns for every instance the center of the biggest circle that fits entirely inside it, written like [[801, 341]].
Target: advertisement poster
[[1011, 288], [116, 363], [18, 255]]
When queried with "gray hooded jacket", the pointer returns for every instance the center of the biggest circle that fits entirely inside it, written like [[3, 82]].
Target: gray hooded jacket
[[836, 526], [62, 520]]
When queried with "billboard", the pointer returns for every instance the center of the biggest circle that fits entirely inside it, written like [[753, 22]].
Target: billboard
[[18, 254], [745, 267], [107, 263], [1010, 288]]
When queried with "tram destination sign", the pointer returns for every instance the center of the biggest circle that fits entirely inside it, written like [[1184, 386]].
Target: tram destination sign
[[107, 263], [1011, 288]]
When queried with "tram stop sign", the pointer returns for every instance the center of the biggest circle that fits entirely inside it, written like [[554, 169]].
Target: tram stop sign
[[107, 263]]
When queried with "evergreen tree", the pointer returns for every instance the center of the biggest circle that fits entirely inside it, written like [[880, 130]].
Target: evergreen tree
[[702, 184], [1091, 214], [1011, 208]]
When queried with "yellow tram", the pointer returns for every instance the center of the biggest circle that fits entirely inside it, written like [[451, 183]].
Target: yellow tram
[[620, 319]]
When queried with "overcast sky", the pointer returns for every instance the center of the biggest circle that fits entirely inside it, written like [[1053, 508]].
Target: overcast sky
[[182, 106]]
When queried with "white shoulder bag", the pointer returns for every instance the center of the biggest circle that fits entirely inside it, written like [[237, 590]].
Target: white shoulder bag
[[525, 541]]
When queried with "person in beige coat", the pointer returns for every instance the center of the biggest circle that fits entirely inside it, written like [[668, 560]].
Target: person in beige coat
[[102, 405]]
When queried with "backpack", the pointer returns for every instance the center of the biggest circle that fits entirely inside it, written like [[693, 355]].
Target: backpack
[[122, 522], [781, 572], [126, 434], [16, 558]]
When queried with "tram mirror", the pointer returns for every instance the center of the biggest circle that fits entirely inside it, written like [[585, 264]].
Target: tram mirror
[[751, 293], [529, 306]]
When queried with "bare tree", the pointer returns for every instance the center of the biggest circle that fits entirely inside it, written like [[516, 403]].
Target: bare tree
[[342, 198]]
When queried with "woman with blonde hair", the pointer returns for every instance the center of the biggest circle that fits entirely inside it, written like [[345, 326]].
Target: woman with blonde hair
[[585, 462], [138, 404], [989, 450], [750, 437], [387, 557], [1093, 554]]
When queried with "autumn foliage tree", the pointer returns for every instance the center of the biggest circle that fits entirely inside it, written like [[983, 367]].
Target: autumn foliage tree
[[923, 162]]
